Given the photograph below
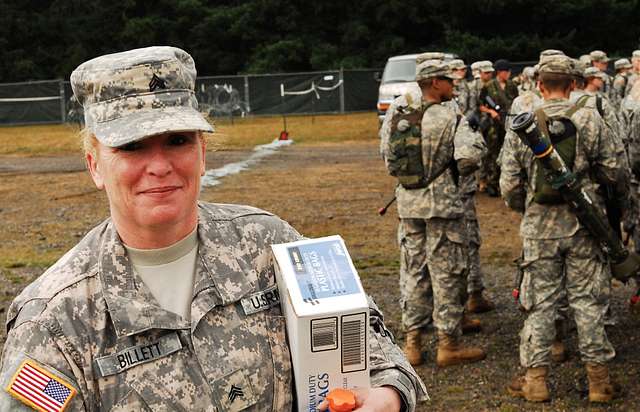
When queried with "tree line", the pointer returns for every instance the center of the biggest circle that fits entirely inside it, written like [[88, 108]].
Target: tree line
[[47, 39]]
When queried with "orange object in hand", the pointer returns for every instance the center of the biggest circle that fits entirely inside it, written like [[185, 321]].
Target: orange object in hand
[[341, 400]]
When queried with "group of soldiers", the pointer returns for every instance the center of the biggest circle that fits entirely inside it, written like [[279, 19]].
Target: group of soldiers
[[454, 139]]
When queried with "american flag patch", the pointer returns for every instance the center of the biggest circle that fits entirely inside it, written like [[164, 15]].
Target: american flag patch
[[40, 389]]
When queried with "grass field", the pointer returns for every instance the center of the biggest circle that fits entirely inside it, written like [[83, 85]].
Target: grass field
[[53, 206], [243, 133]]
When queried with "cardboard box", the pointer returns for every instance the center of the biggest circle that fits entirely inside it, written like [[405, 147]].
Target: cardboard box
[[327, 317]]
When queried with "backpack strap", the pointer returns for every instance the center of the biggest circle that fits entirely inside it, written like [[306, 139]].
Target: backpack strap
[[542, 118], [580, 103], [599, 105]]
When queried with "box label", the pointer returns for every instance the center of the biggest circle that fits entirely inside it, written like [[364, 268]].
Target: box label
[[323, 270], [354, 342]]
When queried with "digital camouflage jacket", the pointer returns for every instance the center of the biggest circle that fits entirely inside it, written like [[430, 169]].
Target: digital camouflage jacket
[[90, 322]]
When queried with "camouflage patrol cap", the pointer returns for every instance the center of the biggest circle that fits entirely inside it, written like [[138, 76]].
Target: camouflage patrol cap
[[551, 52], [578, 68], [598, 56], [557, 65], [475, 65], [585, 59], [593, 72], [622, 64], [135, 94], [635, 54], [434, 68], [529, 72], [457, 64], [485, 66], [429, 56]]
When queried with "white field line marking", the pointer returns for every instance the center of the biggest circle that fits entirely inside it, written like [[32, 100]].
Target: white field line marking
[[212, 177]]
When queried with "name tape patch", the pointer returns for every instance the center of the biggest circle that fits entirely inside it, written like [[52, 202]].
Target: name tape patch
[[136, 355], [260, 301], [42, 390]]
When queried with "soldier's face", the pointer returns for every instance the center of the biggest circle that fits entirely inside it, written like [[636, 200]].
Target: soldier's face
[[601, 65], [445, 86], [503, 75], [486, 76], [152, 183]]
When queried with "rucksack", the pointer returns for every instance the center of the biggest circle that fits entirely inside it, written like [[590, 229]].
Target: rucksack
[[562, 134], [404, 158]]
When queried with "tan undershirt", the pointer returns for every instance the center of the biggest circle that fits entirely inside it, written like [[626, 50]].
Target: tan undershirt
[[169, 272]]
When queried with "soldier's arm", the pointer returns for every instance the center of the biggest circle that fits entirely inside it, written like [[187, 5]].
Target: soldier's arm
[[513, 174], [385, 130], [388, 365], [473, 101], [469, 148], [607, 159], [35, 368]]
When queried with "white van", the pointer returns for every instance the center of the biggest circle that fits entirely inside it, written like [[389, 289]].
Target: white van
[[398, 78]]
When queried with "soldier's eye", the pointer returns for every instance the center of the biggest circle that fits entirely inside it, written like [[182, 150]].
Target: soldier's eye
[[130, 147], [178, 139]]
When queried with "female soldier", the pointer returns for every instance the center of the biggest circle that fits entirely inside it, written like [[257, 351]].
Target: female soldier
[[146, 312]]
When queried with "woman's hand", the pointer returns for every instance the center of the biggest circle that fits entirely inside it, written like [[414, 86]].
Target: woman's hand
[[383, 399]]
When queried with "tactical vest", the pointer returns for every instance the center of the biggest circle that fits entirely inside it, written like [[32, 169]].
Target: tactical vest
[[404, 159], [562, 134]]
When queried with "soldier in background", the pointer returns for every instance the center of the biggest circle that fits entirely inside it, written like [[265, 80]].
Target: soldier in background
[[483, 122], [635, 71], [623, 71], [468, 185], [527, 82], [461, 89], [600, 61], [558, 252], [473, 89], [432, 262], [495, 100]]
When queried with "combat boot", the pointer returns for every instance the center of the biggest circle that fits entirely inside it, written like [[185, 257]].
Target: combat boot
[[413, 347], [477, 303], [451, 352], [600, 388], [470, 325], [532, 386]]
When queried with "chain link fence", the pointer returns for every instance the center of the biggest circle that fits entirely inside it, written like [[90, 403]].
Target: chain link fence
[[332, 91]]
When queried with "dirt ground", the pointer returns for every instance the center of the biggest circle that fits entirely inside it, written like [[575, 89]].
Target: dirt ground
[[47, 204]]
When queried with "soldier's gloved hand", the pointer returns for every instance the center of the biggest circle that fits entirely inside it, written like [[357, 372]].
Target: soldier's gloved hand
[[403, 125], [383, 399]]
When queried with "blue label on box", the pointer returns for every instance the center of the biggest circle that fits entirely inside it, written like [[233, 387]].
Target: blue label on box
[[323, 270]]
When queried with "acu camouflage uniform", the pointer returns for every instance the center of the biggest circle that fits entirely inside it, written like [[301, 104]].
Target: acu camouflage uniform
[[432, 233], [92, 321], [558, 252], [463, 96], [620, 82]]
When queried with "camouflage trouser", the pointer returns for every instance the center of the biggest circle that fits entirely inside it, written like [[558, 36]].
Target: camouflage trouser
[[433, 261], [494, 137], [475, 281], [574, 264]]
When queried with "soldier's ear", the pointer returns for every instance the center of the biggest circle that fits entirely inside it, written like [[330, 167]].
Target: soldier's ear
[[94, 168], [203, 148]]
